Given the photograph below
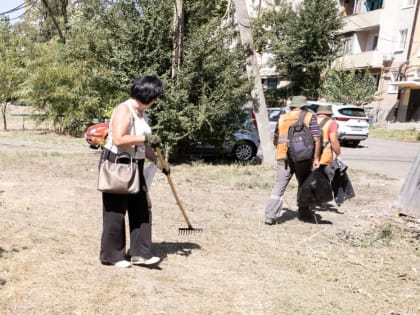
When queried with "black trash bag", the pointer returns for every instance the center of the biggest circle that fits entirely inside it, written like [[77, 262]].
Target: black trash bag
[[315, 190], [335, 166], [342, 187]]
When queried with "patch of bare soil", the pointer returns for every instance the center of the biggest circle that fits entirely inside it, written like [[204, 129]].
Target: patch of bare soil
[[363, 259]]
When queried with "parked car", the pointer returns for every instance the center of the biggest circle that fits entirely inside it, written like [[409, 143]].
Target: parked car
[[273, 116], [96, 135], [353, 123], [243, 146]]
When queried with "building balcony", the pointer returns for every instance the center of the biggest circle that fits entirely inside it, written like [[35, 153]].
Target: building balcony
[[362, 21], [366, 59]]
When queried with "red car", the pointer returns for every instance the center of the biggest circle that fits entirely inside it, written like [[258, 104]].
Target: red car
[[96, 134]]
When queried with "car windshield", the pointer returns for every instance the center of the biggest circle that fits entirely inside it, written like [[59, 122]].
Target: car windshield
[[273, 114], [355, 112]]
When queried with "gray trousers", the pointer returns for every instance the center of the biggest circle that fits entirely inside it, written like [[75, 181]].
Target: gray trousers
[[284, 173]]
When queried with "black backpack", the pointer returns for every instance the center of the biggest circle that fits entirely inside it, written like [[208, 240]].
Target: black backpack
[[300, 141]]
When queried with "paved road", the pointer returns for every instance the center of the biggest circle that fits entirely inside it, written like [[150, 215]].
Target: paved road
[[390, 158]]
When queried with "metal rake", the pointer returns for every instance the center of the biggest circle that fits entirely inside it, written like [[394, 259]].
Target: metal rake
[[181, 231]]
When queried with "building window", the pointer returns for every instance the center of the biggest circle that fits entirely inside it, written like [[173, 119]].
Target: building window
[[375, 42], [272, 83], [402, 39], [347, 46], [370, 5], [408, 3], [393, 77]]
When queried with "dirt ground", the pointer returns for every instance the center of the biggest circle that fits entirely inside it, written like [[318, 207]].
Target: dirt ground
[[362, 259]]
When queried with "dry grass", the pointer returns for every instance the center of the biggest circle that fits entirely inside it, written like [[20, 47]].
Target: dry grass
[[364, 262], [409, 135]]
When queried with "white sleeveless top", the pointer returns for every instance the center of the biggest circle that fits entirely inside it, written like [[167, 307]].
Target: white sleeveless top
[[139, 128]]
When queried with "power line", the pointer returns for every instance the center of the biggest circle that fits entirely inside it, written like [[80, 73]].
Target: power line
[[24, 13], [18, 8]]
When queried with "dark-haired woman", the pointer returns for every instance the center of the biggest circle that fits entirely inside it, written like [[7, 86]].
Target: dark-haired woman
[[129, 132]]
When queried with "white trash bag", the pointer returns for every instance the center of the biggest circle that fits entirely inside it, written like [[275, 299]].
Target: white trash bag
[[149, 172]]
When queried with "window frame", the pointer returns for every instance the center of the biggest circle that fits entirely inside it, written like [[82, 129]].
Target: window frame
[[408, 4], [402, 39], [393, 77]]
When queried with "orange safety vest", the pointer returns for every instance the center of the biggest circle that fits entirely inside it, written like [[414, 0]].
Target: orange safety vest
[[285, 121], [326, 150]]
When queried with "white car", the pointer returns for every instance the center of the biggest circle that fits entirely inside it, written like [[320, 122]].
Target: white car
[[353, 123]]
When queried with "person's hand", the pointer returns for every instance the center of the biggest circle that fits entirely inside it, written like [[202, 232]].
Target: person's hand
[[153, 140], [164, 168], [315, 164]]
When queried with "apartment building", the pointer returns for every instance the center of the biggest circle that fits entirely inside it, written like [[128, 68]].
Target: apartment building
[[381, 36], [409, 84], [378, 36]]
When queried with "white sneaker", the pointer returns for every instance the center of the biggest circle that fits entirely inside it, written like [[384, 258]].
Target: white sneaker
[[137, 260], [122, 264]]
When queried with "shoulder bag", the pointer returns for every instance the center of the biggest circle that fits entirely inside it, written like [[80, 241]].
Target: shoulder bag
[[119, 177]]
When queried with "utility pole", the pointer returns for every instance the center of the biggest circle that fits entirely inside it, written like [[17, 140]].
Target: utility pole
[[253, 71]]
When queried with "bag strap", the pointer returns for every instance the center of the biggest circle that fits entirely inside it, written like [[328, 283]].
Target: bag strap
[[323, 122], [133, 124], [301, 116]]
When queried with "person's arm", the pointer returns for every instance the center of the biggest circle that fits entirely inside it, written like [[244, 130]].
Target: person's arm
[[316, 134], [120, 128], [150, 154], [335, 143], [317, 152], [276, 134]]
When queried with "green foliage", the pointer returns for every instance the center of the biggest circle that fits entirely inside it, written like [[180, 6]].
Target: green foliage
[[11, 66], [354, 87], [109, 43], [205, 101], [302, 41], [85, 78]]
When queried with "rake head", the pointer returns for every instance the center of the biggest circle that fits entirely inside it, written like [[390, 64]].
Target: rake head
[[188, 231]]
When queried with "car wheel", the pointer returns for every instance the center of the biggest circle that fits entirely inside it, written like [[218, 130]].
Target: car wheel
[[244, 151], [351, 143]]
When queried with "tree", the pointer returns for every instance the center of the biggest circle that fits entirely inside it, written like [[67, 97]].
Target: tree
[[10, 66], [204, 103], [48, 18], [353, 86], [259, 105], [86, 76], [303, 41]]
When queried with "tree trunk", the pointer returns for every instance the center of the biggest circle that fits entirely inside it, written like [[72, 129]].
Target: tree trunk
[[257, 93], [3, 114], [177, 37], [51, 15]]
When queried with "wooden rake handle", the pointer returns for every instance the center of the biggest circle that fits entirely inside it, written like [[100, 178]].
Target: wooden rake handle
[[178, 202]]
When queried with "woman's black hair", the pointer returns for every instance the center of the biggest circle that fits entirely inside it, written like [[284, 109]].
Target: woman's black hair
[[146, 88]]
